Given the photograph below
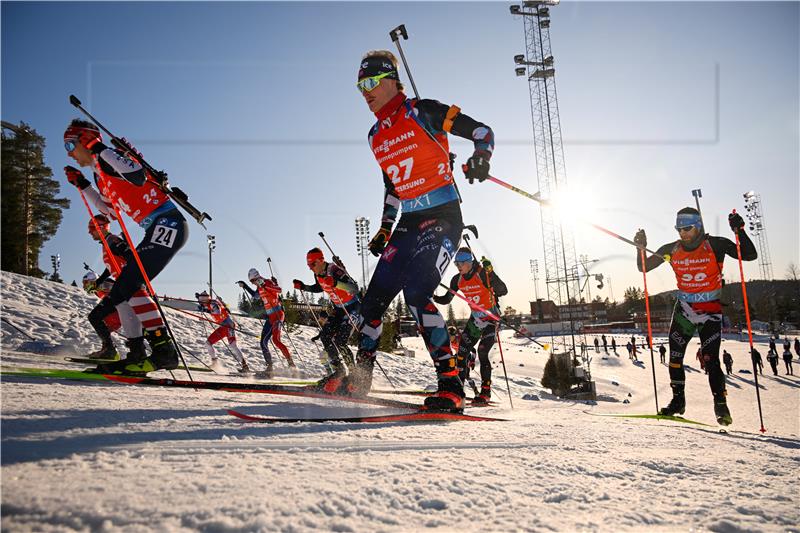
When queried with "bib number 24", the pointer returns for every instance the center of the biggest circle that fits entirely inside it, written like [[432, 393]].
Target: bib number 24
[[164, 236]]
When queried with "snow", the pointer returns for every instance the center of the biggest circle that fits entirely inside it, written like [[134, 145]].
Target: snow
[[88, 456]]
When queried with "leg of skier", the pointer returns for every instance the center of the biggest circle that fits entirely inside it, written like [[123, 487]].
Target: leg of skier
[[710, 337], [266, 333], [681, 331]]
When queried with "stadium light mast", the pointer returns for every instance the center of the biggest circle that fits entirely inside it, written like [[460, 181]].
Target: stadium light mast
[[755, 216], [362, 247], [537, 65]]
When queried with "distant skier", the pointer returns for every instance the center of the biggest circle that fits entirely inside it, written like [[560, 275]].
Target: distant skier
[[797, 346], [270, 293], [342, 291], [480, 284], [634, 352], [662, 352], [409, 141], [112, 322], [758, 362], [596, 345], [701, 360], [772, 348], [787, 360], [727, 360], [605, 343], [225, 328], [123, 182], [629, 346], [697, 261], [614, 346], [138, 315]]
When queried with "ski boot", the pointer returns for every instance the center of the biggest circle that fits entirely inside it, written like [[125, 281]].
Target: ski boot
[[486, 393], [359, 382], [449, 396], [163, 356], [244, 369], [107, 351], [136, 350], [334, 382], [721, 410], [675, 407], [267, 373]]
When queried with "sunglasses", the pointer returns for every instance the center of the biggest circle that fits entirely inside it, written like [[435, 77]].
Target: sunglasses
[[70, 144], [459, 263], [685, 229], [367, 84]]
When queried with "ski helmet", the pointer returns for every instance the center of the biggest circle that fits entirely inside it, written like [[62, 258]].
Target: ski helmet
[[690, 217], [102, 222], [314, 255], [253, 274], [86, 133], [464, 255]]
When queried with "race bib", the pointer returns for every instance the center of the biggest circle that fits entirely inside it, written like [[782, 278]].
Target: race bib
[[164, 236]]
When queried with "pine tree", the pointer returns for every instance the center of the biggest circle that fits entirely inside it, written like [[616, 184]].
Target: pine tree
[[451, 315], [31, 212]]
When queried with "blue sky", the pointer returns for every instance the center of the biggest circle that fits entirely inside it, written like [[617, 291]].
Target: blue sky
[[252, 109]]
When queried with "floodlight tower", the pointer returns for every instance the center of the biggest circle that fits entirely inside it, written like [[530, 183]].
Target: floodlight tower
[[362, 246], [758, 228], [536, 64]]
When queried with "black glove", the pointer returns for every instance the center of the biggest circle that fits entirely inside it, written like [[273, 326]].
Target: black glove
[[75, 177], [640, 239], [476, 168], [297, 284], [274, 280], [378, 242], [242, 284], [736, 221]]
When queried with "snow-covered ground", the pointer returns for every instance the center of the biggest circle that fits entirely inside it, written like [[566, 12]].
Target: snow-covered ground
[[96, 456]]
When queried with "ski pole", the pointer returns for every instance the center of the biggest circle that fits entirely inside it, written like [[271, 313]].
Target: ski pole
[[395, 35], [269, 264], [176, 194], [537, 198], [502, 360], [335, 258], [749, 327], [150, 290], [324, 359], [476, 307], [496, 328], [7, 321], [106, 247], [649, 326]]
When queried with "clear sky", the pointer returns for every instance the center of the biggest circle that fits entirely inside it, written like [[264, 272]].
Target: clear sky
[[252, 109]]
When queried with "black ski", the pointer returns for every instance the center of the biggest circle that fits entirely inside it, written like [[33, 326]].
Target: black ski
[[416, 416]]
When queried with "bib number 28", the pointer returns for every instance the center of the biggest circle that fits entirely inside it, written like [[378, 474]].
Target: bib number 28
[[164, 236]]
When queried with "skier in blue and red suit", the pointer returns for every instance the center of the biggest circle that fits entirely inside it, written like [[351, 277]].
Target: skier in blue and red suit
[[409, 142]]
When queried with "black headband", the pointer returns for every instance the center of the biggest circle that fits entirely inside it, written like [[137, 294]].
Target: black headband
[[376, 65]]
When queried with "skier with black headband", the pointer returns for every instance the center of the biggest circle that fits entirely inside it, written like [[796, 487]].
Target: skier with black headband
[[123, 183], [697, 260], [409, 142], [481, 285]]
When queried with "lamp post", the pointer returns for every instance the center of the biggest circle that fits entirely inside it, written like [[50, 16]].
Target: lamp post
[[212, 244]]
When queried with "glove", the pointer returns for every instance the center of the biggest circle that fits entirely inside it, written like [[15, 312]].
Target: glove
[[476, 168], [274, 280], [242, 284], [378, 242], [297, 284], [487, 265], [338, 261], [640, 239], [736, 222], [90, 287], [75, 177]]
